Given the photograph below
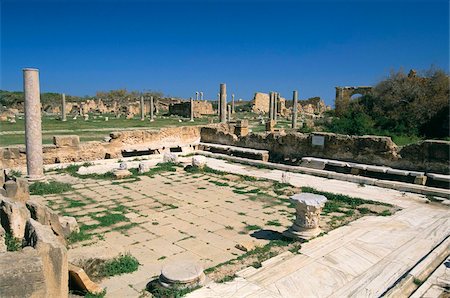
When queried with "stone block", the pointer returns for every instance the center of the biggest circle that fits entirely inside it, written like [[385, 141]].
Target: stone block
[[69, 225], [66, 141], [170, 157], [199, 161], [46, 216], [22, 274], [54, 257], [421, 180], [11, 153], [13, 216], [270, 125], [143, 168], [121, 174], [17, 189]]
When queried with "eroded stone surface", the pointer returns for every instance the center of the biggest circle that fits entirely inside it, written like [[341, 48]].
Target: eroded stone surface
[[182, 274]]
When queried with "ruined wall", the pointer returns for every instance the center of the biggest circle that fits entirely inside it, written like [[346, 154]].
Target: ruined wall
[[183, 109], [73, 151], [432, 156], [260, 103]]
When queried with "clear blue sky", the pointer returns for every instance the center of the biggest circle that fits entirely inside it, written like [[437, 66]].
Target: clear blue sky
[[180, 47]]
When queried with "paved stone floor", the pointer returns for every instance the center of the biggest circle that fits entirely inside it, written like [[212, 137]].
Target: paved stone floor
[[362, 259], [177, 215], [171, 216]]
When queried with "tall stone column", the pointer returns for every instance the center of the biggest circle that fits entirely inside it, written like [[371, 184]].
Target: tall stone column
[[294, 109], [223, 103], [232, 104], [229, 113], [33, 129], [275, 105], [192, 108], [270, 106], [196, 95], [218, 105], [201, 95], [63, 108], [152, 107], [142, 109]]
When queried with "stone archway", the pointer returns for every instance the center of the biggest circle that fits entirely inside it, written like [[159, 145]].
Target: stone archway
[[344, 94]]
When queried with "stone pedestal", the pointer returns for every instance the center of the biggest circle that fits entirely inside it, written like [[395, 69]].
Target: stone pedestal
[[33, 129], [241, 129], [182, 275], [223, 103], [294, 109], [270, 125], [308, 207]]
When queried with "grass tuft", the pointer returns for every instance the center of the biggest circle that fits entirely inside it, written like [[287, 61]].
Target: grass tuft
[[47, 188]]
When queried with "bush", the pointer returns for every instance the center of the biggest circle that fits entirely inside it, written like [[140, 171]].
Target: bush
[[122, 264]]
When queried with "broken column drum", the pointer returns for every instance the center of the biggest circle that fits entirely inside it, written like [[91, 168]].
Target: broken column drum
[[223, 103], [294, 109], [308, 207], [33, 129]]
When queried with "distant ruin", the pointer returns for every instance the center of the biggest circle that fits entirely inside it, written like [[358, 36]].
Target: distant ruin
[[344, 94]]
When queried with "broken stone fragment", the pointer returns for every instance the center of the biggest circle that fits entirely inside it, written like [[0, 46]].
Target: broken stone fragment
[[246, 246], [199, 161], [82, 280], [17, 190], [143, 168], [170, 157], [46, 216], [69, 225], [121, 174], [13, 216], [66, 141]]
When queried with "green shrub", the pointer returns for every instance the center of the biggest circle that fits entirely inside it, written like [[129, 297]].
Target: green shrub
[[122, 264], [12, 244]]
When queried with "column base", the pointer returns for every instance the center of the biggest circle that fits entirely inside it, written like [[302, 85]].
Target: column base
[[152, 120], [32, 179], [298, 233]]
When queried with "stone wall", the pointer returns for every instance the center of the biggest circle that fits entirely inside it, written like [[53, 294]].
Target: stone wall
[[69, 149], [183, 109], [432, 156]]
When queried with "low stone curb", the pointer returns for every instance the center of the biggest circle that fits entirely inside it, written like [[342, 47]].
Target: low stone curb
[[401, 186]]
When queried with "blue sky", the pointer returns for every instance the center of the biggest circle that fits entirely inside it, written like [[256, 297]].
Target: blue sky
[[179, 47]]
